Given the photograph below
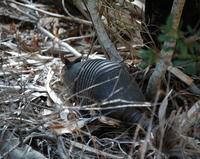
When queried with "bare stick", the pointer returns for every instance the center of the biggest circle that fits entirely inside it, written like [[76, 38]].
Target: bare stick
[[71, 49]]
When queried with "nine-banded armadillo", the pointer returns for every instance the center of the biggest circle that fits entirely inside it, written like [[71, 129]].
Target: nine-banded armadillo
[[102, 80]]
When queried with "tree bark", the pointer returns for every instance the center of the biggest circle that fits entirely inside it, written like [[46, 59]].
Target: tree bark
[[102, 35], [166, 52]]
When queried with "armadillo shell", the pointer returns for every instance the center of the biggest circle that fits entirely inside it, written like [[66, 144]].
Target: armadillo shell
[[102, 80]]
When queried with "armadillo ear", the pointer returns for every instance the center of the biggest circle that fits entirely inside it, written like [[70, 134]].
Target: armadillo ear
[[68, 63], [77, 60], [64, 59]]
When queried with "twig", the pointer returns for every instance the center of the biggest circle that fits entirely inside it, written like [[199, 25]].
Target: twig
[[123, 104], [61, 43], [78, 37], [96, 151]]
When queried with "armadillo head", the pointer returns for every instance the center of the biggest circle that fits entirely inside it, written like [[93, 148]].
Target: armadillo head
[[70, 72]]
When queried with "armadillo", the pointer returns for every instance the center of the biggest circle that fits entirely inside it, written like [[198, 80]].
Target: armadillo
[[101, 80]]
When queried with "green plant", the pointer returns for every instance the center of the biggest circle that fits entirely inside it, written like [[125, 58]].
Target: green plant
[[186, 54]]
